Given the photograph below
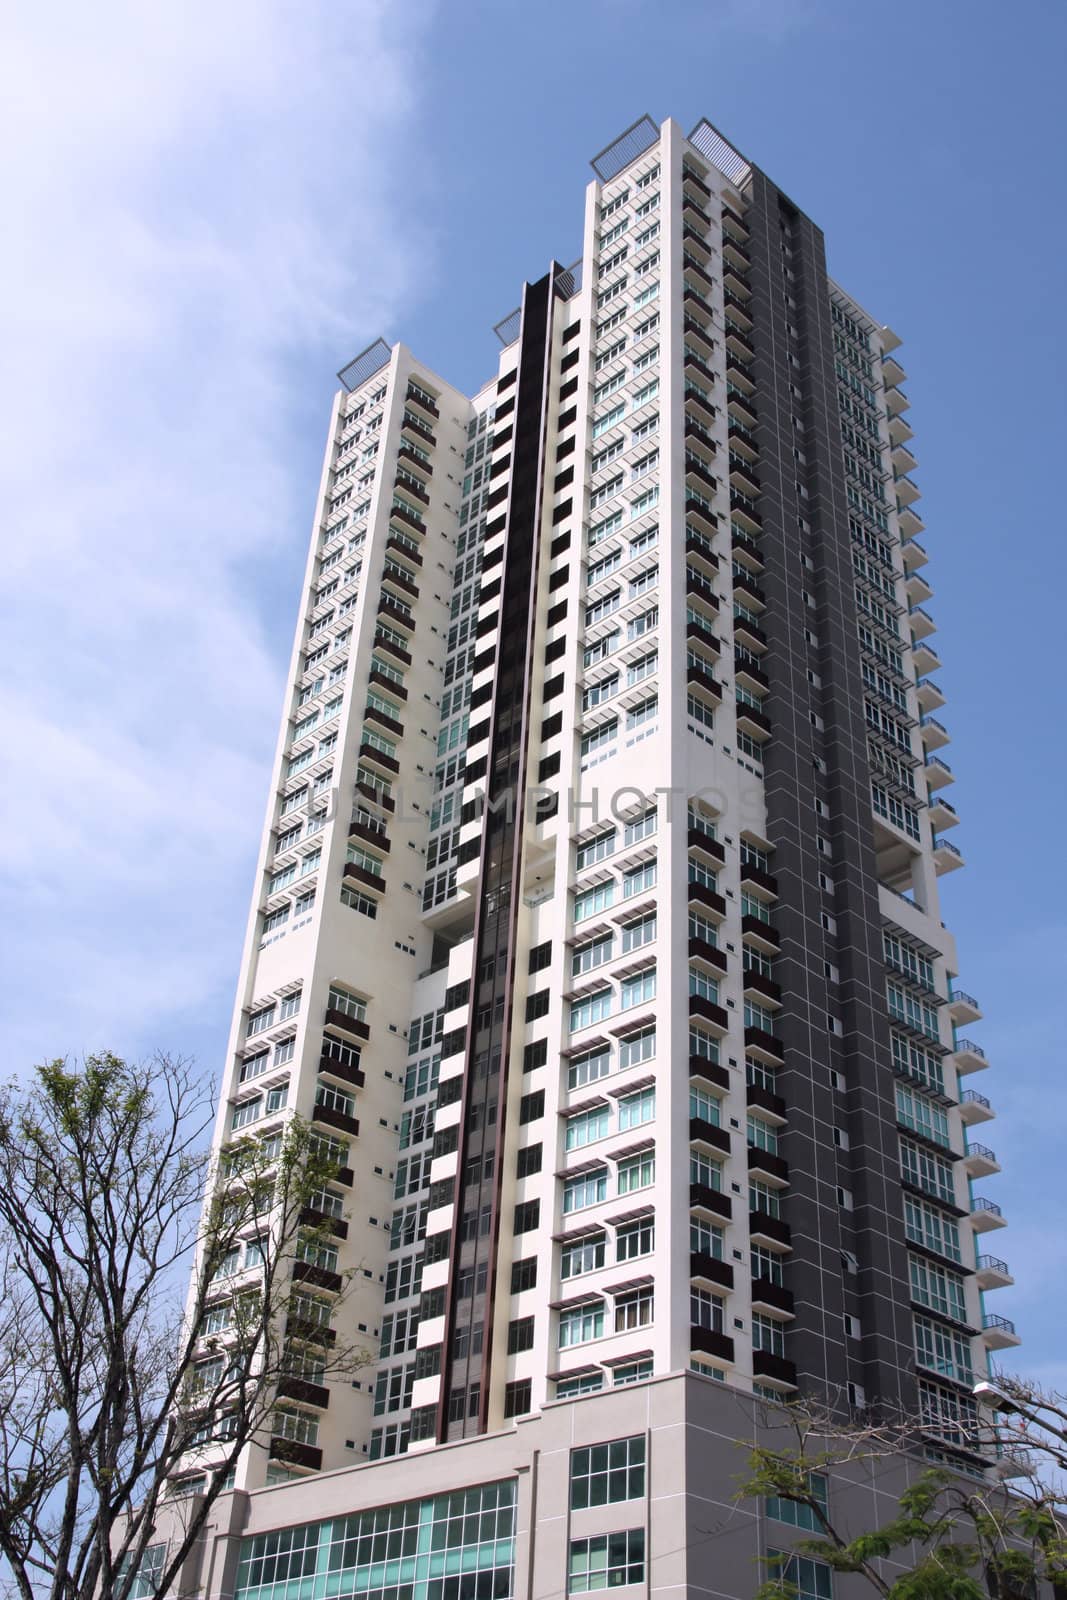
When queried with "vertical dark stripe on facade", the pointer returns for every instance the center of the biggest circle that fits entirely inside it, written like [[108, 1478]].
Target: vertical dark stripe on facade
[[824, 1232], [474, 1248]]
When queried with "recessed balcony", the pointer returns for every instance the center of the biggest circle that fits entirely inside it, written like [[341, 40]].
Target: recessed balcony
[[986, 1215], [992, 1273], [969, 1057], [947, 857], [998, 1333], [942, 815], [975, 1107], [922, 624], [964, 1008], [980, 1162]]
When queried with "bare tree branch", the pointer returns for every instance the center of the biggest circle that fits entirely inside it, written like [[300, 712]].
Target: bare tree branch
[[117, 1380]]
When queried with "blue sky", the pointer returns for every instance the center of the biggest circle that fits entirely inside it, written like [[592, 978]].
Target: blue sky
[[209, 209]]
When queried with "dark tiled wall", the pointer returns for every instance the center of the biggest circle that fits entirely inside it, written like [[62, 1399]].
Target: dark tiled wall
[[806, 763]]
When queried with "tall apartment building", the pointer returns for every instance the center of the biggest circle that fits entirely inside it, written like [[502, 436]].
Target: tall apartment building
[[597, 923]]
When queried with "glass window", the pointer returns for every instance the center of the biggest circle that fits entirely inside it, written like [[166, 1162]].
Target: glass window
[[587, 1126], [586, 1189], [604, 1474], [579, 1324], [607, 1561], [637, 1109], [584, 1255]]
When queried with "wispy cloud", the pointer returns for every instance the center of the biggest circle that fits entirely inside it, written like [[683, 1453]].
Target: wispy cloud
[[199, 222]]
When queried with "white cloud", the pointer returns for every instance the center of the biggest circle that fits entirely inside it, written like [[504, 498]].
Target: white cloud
[[200, 224]]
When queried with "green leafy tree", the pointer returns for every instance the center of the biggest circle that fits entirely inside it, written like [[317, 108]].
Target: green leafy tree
[[949, 1539], [116, 1377]]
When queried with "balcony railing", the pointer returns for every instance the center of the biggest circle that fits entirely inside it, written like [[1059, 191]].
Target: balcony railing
[[971, 1097], [967, 999], [992, 1264], [972, 1049], [1004, 1323], [980, 1203]]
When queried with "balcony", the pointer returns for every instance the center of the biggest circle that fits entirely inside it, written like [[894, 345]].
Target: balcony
[[695, 272], [735, 281], [917, 589], [738, 374], [698, 588], [896, 401], [395, 615], [344, 1021], [760, 934], [946, 857], [893, 372], [774, 1369], [751, 595], [705, 1341], [354, 873], [696, 468], [748, 676], [914, 555], [975, 1107], [964, 1008], [699, 894], [391, 648], [709, 1071], [382, 719], [986, 1215], [714, 1016], [900, 430], [738, 308], [992, 1273], [764, 883], [764, 1046], [739, 401], [906, 491], [418, 430], [761, 989], [922, 624], [347, 1072], [695, 238], [709, 847], [765, 1100], [694, 214], [404, 481], [699, 439], [942, 815], [703, 1132], [407, 518], [969, 1057], [318, 1277], [305, 1393], [934, 734], [414, 461], [330, 1117], [704, 1198], [768, 1230], [419, 397], [698, 546], [980, 1162], [765, 1165], [711, 1270], [929, 696], [998, 1333], [743, 476], [701, 638], [771, 1297], [910, 523], [296, 1454], [938, 773], [925, 657], [371, 756], [756, 724], [751, 636]]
